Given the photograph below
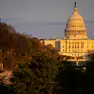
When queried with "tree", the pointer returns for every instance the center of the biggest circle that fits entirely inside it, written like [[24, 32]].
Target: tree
[[36, 76]]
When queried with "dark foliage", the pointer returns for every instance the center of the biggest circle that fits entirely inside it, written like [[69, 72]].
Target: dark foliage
[[36, 76]]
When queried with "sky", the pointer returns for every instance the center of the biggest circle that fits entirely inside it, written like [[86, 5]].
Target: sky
[[45, 18]]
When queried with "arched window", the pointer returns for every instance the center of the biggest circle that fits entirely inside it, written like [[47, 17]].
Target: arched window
[[6, 63]]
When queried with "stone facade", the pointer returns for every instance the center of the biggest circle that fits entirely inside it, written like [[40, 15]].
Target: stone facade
[[75, 42]]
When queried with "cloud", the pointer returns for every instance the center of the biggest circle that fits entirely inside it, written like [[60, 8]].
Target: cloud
[[44, 29]]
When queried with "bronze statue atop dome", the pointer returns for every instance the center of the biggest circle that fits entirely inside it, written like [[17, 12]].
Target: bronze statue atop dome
[[75, 4]]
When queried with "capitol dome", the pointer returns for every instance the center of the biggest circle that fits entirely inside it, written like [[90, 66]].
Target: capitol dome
[[75, 26], [75, 22]]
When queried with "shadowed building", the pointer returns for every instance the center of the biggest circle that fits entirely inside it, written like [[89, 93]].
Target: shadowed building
[[75, 42]]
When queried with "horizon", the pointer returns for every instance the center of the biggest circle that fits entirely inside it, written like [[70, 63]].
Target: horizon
[[45, 19]]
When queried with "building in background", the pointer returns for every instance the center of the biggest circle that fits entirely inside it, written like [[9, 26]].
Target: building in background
[[75, 42]]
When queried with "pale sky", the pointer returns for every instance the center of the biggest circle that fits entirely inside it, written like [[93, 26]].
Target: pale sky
[[45, 18]]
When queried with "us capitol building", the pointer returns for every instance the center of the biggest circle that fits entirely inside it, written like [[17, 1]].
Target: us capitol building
[[75, 42]]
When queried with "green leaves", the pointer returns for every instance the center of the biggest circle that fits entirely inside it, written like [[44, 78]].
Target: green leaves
[[37, 75]]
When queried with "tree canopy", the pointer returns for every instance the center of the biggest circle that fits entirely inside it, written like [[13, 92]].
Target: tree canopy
[[36, 76]]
